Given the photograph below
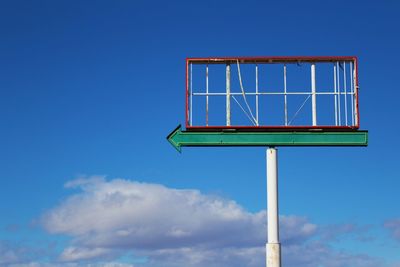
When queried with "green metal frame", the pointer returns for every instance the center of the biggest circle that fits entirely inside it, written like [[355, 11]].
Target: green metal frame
[[179, 138]]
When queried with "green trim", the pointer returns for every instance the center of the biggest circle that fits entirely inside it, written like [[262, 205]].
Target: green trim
[[180, 138]]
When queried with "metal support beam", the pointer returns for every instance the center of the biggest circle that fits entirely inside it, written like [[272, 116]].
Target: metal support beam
[[338, 93], [335, 93], [313, 95], [191, 96], [228, 94], [355, 75], [257, 121], [345, 92], [207, 95], [285, 94], [273, 247]]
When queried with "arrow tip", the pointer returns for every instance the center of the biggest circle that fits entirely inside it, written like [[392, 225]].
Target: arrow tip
[[172, 138]]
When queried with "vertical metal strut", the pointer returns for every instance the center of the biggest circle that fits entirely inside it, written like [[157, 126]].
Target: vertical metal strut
[[273, 247], [356, 122], [206, 95], [352, 93], [338, 92], [228, 94], [345, 92], [191, 95], [285, 94], [257, 122], [335, 93], [314, 96]]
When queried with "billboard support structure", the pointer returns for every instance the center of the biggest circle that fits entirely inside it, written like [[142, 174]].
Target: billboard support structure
[[342, 130], [273, 246]]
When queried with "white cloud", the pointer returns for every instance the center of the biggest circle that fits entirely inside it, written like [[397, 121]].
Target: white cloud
[[13, 253], [394, 227], [82, 253], [58, 264], [121, 213], [211, 257], [171, 227], [335, 232], [319, 254], [7, 255]]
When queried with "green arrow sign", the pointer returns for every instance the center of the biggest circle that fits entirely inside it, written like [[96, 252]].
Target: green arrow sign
[[179, 138]]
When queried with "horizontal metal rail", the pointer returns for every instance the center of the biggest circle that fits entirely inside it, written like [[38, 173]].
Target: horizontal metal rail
[[274, 93], [271, 60]]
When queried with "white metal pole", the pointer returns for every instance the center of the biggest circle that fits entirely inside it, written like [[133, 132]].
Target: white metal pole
[[335, 93], [273, 247], [352, 93], [285, 94], [257, 123], [355, 94], [207, 95], [191, 96], [314, 96], [345, 91], [228, 94], [338, 93]]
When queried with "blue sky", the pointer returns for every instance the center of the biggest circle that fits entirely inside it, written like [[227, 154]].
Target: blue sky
[[89, 91]]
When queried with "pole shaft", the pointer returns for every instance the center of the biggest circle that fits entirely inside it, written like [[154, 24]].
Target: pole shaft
[[273, 245]]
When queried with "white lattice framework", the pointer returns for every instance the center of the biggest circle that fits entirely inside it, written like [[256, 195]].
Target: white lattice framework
[[341, 87]]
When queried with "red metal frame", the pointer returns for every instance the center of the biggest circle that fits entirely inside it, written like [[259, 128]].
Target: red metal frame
[[356, 92], [272, 60]]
